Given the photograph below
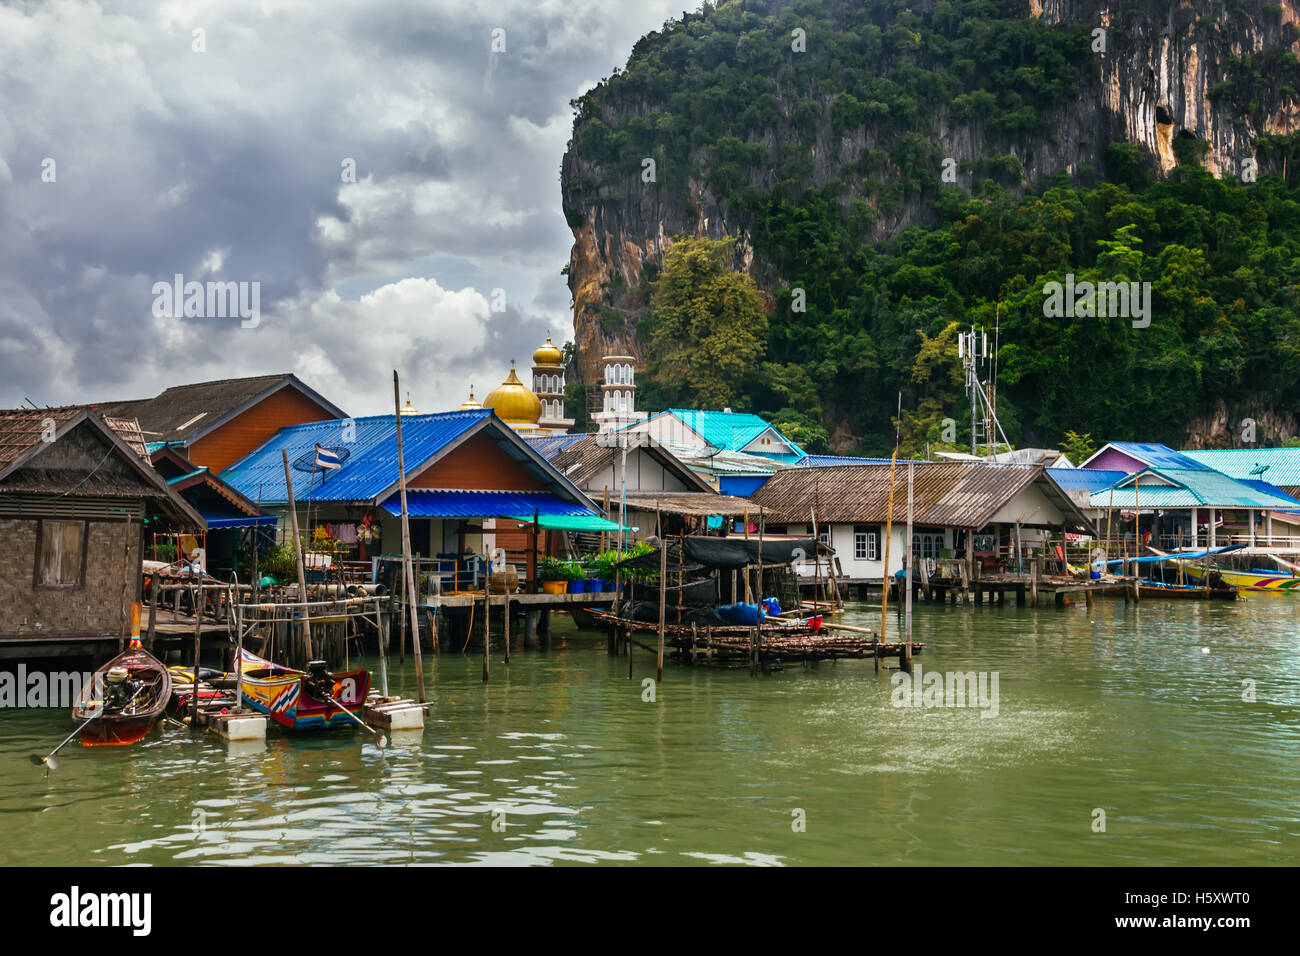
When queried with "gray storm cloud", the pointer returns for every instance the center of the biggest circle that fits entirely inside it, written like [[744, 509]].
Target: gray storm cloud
[[128, 156]]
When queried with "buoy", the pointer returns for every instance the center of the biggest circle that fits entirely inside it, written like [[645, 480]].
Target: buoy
[[1205, 650]]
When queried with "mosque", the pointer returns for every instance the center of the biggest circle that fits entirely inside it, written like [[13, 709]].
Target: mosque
[[533, 412]]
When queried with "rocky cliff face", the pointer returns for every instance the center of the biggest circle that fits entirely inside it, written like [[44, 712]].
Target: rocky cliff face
[[1166, 74]]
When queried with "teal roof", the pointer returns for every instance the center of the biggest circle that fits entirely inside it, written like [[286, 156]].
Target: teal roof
[[1186, 488], [1283, 464], [731, 431]]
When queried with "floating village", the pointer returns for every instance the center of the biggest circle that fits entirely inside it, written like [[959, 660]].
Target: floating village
[[224, 552]]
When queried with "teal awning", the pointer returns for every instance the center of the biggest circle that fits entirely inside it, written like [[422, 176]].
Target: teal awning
[[571, 523]]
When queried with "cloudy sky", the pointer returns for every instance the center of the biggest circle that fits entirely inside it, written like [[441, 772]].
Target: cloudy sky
[[142, 140]]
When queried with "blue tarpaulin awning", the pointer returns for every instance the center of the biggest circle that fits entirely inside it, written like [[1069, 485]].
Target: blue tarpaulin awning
[[429, 503]]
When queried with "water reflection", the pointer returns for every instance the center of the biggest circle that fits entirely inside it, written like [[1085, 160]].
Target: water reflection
[[561, 760]]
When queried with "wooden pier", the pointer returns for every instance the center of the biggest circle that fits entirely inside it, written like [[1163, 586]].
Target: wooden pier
[[756, 646]]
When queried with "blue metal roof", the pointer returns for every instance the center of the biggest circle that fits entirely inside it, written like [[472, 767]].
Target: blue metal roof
[[1157, 455], [730, 431], [427, 503], [368, 472], [1085, 479], [551, 445], [1187, 488], [1283, 464], [1267, 488]]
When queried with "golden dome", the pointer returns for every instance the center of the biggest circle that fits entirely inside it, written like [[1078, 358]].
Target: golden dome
[[471, 402], [408, 408], [514, 401], [548, 354]]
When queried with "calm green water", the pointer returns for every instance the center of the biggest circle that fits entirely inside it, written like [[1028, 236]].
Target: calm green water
[[1117, 708]]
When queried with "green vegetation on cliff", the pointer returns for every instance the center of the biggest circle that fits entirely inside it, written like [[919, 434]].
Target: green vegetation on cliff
[[855, 320]]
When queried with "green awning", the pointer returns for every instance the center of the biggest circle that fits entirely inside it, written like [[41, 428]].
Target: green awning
[[570, 522]]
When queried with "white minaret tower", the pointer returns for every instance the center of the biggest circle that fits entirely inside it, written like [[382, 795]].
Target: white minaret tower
[[618, 406], [548, 386]]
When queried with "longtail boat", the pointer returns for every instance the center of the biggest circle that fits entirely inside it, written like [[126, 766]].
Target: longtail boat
[[303, 700], [123, 699], [1251, 579], [1191, 592]]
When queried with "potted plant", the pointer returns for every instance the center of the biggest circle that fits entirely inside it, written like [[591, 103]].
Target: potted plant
[[577, 581], [553, 573]]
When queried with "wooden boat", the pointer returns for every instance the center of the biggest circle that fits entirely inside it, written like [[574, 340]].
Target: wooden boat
[[1251, 580], [300, 700], [129, 693], [1162, 589]]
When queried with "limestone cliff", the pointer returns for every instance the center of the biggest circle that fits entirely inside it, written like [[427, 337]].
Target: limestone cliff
[[1166, 74]]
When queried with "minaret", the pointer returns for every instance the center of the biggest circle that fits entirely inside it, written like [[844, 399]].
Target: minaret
[[548, 386], [618, 406]]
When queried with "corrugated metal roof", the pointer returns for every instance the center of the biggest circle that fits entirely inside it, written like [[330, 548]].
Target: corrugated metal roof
[[1085, 479], [958, 494], [730, 431], [827, 461], [369, 470], [551, 445], [1283, 463], [1186, 488], [1267, 488], [426, 503], [187, 411], [1154, 454], [582, 457]]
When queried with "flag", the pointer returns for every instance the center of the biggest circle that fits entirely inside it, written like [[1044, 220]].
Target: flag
[[326, 458]]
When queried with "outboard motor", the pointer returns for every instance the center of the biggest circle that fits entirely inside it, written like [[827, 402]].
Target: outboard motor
[[119, 688], [319, 681]]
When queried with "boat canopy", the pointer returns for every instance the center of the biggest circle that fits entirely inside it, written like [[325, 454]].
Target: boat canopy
[[1177, 555]]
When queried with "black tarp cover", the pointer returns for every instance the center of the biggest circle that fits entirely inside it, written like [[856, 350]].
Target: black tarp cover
[[734, 552], [727, 554]]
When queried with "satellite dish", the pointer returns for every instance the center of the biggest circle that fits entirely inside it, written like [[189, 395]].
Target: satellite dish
[[307, 460]]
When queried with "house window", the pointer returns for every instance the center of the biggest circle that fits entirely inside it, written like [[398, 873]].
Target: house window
[[927, 545], [60, 554], [865, 543]]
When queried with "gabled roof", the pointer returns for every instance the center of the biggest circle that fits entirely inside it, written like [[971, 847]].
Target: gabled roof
[[24, 436], [728, 431], [1152, 454], [369, 475], [188, 412], [1186, 488], [715, 462], [957, 494], [185, 476], [583, 457], [1283, 464]]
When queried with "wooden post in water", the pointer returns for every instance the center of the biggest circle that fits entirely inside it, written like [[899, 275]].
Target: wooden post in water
[[889, 531], [154, 582], [198, 637], [817, 558], [297, 550], [487, 630], [383, 620], [505, 610], [412, 597], [663, 599], [911, 557]]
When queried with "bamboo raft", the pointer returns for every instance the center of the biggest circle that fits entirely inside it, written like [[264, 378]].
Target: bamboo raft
[[776, 642]]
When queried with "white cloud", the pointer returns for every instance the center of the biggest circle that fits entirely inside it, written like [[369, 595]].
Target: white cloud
[[226, 165]]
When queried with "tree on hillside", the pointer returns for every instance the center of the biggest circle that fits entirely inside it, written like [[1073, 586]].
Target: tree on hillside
[[708, 330]]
